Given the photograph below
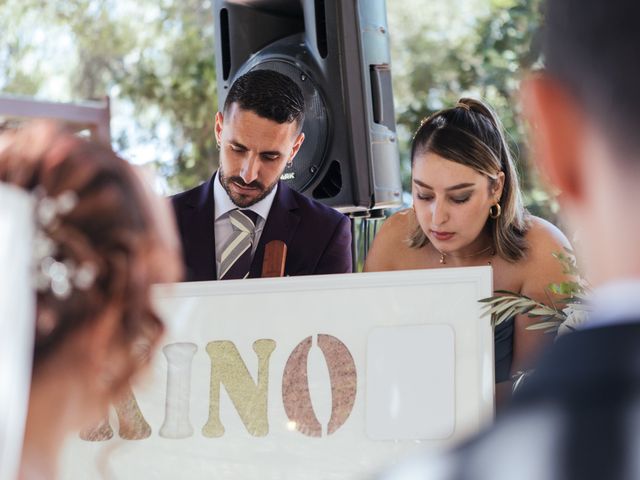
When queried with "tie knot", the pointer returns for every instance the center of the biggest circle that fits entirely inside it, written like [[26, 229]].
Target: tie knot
[[244, 220]]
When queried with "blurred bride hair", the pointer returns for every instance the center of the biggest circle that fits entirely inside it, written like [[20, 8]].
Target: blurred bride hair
[[101, 241]]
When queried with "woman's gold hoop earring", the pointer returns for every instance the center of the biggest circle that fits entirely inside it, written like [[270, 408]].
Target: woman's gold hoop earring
[[497, 213]]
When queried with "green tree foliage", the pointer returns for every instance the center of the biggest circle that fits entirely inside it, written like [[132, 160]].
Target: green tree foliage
[[174, 74], [154, 59], [484, 58]]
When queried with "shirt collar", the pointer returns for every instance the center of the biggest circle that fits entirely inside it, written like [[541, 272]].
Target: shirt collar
[[615, 302], [223, 204]]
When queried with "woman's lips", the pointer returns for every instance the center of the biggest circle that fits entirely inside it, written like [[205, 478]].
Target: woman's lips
[[442, 236]]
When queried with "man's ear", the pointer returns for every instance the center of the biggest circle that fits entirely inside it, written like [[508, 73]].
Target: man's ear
[[557, 129], [218, 127], [296, 146]]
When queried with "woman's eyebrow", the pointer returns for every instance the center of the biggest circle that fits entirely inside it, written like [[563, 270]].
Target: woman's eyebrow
[[458, 186]]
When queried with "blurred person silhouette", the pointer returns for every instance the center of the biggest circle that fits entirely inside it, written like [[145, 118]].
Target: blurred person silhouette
[[578, 416], [468, 211], [100, 240], [226, 222]]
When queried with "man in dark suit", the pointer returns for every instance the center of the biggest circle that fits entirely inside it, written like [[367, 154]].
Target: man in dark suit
[[226, 222], [578, 417]]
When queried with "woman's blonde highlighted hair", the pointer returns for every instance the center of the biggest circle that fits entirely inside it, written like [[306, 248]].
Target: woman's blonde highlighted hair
[[471, 134]]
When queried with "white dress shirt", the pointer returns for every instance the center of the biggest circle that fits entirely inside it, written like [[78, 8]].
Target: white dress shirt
[[615, 303], [222, 225]]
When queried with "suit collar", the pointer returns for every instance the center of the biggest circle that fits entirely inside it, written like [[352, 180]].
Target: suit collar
[[200, 241], [202, 195]]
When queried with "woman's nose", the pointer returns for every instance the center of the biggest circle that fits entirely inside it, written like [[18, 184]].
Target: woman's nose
[[439, 214]]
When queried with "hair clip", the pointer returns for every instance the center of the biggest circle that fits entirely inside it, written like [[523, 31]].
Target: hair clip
[[60, 276]]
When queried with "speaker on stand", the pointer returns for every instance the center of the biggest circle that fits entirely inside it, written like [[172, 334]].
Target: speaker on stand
[[337, 51]]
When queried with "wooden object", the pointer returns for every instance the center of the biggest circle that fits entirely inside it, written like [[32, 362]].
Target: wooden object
[[275, 256]]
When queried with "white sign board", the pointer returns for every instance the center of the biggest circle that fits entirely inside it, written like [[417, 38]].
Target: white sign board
[[303, 378]]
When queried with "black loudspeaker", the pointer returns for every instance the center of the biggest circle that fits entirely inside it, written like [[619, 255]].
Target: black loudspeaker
[[337, 51]]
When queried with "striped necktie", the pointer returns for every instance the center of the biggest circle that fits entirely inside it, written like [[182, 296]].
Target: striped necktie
[[235, 261]]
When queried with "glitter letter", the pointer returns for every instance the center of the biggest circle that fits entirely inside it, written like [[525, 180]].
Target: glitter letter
[[133, 426], [248, 397], [176, 421], [295, 386]]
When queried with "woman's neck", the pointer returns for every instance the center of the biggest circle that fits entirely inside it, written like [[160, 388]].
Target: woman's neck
[[475, 253]]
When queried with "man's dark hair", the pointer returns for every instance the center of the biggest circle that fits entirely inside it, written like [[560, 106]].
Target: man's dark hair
[[270, 95], [591, 46]]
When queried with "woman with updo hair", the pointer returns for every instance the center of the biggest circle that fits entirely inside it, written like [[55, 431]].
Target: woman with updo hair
[[101, 240], [468, 211]]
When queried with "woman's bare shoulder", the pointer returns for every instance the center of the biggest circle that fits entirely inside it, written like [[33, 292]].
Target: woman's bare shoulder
[[540, 265], [544, 239], [390, 241], [399, 222]]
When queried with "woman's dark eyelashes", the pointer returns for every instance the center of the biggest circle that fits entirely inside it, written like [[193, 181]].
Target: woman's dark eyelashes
[[456, 199], [461, 199]]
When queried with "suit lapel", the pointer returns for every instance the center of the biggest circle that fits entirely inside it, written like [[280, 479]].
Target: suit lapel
[[281, 224], [199, 235]]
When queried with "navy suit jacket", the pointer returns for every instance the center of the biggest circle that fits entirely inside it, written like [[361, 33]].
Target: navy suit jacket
[[318, 238]]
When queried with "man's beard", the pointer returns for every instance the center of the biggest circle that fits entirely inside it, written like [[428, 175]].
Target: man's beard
[[240, 200]]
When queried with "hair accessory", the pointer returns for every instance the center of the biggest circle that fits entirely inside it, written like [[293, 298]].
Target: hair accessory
[[497, 212], [60, 276]]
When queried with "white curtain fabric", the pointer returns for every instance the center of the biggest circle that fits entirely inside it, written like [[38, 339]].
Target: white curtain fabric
[[17, 316]]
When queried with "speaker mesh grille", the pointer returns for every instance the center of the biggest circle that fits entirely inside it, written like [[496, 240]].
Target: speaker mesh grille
[[309, 161]]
